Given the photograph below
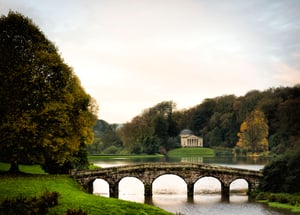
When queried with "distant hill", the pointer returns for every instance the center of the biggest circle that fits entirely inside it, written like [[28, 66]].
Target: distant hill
[[217, 120]]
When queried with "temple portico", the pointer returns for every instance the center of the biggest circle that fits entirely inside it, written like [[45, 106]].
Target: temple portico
[[190, 140]]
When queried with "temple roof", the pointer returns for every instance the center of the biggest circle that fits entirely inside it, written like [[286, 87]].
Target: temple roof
[[186, 132]]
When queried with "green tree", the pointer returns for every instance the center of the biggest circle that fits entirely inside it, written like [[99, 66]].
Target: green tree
[[247, 104], [45, 114], [150, 131], [201, 116], [282, 174], [254, 133]]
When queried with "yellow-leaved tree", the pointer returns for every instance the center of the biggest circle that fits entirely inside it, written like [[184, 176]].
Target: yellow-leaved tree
[[253, 135]]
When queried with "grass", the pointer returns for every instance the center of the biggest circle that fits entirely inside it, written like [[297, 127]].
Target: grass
[[30, 169], [207, 152], [72, 196], [292, 208], [281, 200]]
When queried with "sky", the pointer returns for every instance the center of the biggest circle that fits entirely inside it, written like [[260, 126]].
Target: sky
[[132, 54]]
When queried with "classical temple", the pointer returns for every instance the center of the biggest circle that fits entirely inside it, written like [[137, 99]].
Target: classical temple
[[187, 139]]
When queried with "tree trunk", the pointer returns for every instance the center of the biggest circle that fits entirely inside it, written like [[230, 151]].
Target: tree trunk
[[14, 167]]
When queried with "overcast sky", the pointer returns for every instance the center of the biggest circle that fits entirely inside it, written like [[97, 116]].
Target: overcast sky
[[133, 54]]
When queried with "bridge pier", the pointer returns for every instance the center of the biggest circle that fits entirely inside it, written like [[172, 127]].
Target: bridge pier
[[225, 190], [148, 190], [90, 187], [190, 190], [114, 190]]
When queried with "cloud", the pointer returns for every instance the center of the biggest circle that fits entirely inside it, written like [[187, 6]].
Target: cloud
[[286, 74]]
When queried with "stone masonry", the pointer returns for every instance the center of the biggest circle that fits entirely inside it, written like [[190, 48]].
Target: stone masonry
[[148, 172]]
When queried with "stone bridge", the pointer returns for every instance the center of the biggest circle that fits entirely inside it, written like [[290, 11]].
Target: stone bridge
[[148, 172]]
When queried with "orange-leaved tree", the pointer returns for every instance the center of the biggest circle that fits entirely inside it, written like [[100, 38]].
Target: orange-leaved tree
[[253, 133]]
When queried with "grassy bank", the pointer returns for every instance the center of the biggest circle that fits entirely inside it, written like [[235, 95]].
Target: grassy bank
[[29, 185], [281, 200], [207, 152]]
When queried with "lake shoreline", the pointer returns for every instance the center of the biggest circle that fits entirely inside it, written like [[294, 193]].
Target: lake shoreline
[[284, 201]]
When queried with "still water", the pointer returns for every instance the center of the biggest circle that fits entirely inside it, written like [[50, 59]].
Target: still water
[[170, 192]]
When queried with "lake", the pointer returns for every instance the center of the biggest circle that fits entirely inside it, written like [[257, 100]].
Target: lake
[[169, 191]]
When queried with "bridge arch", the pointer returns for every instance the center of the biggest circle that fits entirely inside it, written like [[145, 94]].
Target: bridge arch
[[132, 182], [101, 187], [239, 184], [207, 184], [172, 181]]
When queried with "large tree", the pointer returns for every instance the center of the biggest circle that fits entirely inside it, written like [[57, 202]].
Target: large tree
[[254, 133], [45, 114]]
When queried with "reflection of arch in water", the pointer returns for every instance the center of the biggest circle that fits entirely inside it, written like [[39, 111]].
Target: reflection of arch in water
[[169, 184], [239, 185], [207, 185], [101, 187], [131, 188]]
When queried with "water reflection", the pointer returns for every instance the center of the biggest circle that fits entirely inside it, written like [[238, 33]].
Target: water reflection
[[207, 185], [239, 186], [239, 198], [207, 199], [131, 189], [169, 199], [169, 184], [223, 161], [101, 188]]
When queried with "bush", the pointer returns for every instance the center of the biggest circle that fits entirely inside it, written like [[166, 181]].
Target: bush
[[272, 198], [29, 206], [78, 161], [51, 198], [52, 167], [111, 150], [261, 196], [282, 175], [76, 212]]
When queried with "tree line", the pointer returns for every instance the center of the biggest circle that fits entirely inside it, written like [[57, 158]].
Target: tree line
[[221, 121]]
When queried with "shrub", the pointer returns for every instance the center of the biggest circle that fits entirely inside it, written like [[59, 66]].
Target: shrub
[[76, 212], [51, 198], [29, 206], [18, 205], [282, 174], [262, 196], [111, 150], [272, 198]]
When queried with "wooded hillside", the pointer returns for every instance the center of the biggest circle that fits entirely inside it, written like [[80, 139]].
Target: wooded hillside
[[218, 120]]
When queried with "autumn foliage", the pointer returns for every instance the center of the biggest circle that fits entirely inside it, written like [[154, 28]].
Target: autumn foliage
[[253, 134]]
